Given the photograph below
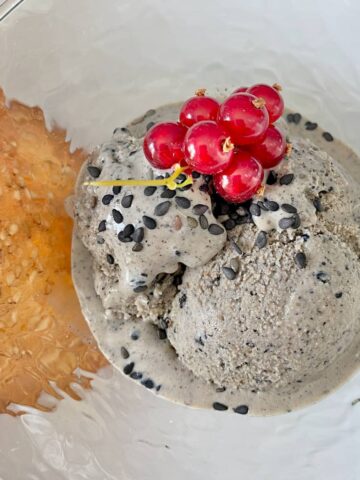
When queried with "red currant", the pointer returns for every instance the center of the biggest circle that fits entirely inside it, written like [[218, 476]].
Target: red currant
[[244, 117], [274, 102], [241, 179], [207, 147], [240, 90], [197, 109], [271, 150], [163, 144]]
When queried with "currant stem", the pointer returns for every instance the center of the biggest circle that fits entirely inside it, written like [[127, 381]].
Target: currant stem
[[259, 102], [168, 182], [200, 92], [228, 145]]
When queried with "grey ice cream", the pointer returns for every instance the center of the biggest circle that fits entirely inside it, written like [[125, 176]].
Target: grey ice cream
[[137, 235], [266, 314]]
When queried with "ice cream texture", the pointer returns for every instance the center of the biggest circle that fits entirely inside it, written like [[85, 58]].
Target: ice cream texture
[[268, 307]]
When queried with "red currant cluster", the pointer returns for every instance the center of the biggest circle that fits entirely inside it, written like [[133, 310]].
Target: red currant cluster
[[234, 141]]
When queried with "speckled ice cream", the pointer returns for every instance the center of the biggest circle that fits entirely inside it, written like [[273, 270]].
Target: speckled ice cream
[[264, 324], [137, 235]]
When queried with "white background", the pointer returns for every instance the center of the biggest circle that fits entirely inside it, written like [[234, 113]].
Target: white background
[[92, 65]]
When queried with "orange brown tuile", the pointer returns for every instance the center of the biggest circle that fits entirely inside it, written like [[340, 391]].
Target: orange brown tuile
[[43, 336], [200, 92], [261, 190], [259, 102], [277, 87]]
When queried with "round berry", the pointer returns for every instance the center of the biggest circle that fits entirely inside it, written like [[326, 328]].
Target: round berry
[[244, 117], [197, 109], [241, 179], [163, 144], [274, 102], [240, 90], [207, 147], [271, 150]]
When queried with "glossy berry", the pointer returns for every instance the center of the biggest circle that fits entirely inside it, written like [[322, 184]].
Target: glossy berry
[[241, 179], [163, 144], [240, 90], [207, 147], [244, 118], [274, 102], [271, 150], [197, 109]]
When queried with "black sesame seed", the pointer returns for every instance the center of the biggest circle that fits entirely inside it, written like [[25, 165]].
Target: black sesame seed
[[311, 125], [235, 247], [255, 210], [261, 240], [117, 216], [323, 277], [288, 208], [148, 191], [242, 409], [148, 383], [220, 389], [110, 259], [196, 174], [127, 201], [124, 239], [149, 222], [338, 294], [180, 178], [93, 171], [297, 221], [138, 235], [100, 240], [215, 229], [272, 178], [107, 199], [182, 202], [192, 222], [124, 353], [162, 334], [177, 253], [296, 118], [263, 206], [287, 179], [229, 224], [149, 125], [204, 188], [159, 177], [140, 288], [229, 273], [182, 300], [204, 224], [286, 222], [317, 204], [270, 205], [305, 237], [129, 368], [290, 118], [116, 190], [200, 209], [167, 193], [162, 208], [136, 375], [137, 247], [300, 259], [328, 137], [102, 226], [219, 406], [128, 230], [135, 335]]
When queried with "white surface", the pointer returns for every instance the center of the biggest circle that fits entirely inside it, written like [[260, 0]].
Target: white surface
[[94, 65]]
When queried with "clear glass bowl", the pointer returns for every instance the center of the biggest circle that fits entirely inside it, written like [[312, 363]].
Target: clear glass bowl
[[92, 66]]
